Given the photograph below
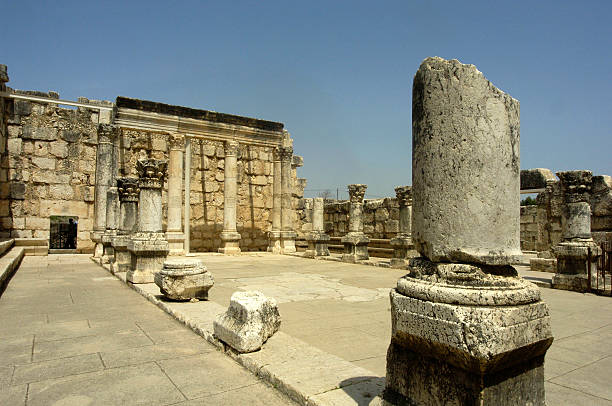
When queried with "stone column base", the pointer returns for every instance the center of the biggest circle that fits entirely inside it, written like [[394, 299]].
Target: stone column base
[[230, 241], [401, 248], [96, 237], [274, 242], [471, 338], [176, 242], [572, 264], [288, 242], [123, 258], [148, 251], [317, 245], [107, 245], [355, 247]]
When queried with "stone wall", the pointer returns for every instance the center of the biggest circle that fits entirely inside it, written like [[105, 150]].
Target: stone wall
[[48, 168], [380, 218], [4, 184]]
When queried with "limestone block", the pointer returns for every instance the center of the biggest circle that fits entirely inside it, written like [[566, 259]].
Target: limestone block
[[44, 163], [61, 192], [37, 223], [466, 141], [251, 319], [59, 149], [184, 279], [14, 146], [39, 133], [543, 265]]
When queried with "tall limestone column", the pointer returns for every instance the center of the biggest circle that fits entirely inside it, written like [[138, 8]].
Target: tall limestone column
[[288, 235], [128, 214], [317, 239], [104, 180], [573, 252], [274, 236], [402, 244], [112, 223], [466, 329], [230, 238], [355, 242], [174, 232], [148, 246]]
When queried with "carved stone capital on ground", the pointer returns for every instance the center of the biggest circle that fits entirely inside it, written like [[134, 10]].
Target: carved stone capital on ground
[[128, 189], [404, 195], [357, 192], [576, 185], [151, 172], [176, 142]]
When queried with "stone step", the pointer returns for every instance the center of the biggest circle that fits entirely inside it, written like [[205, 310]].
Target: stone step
[[6, 245], [8, 265], [33, 246]]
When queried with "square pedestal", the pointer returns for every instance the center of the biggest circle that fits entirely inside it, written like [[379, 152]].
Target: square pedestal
[[274, 242], [573, 260], [230, 242], [96, 237], [449, 354], [317, 245], [355, 247], [108, 254], [401, 251], [288, 242], [148, 251], [123, 258]]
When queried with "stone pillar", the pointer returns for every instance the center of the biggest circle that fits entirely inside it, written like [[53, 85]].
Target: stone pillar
[[402, 244], [174, 232], [112, 223], [288, 235], [466, 329], [573, 252], [317, 239], [148, 246], [104, 180], [187, 216], [355, 242], [274, 236], [230, 238], [128, 213]]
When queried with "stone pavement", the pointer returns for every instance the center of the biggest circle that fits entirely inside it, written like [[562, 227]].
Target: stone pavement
[[72, 334], [341, 309]]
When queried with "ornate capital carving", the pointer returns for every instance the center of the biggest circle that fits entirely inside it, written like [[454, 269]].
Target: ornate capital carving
[[404, 195], [231, 147], [356, 192], [276, 155], [107, 133], [128, 189], [576, 185], [285, 153], [151, 172], [176, 142]]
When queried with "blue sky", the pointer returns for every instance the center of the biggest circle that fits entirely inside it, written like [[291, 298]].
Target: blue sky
[[337, 73]]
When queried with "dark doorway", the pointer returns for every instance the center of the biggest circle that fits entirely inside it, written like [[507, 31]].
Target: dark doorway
[[63, 232]]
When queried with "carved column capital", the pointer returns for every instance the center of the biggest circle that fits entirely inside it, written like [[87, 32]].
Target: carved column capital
[[231, 147], [151, 172], [404, 195], [107, 133], [356, 192], [128, 189], [285, 153], [576, 185], [176, 142]]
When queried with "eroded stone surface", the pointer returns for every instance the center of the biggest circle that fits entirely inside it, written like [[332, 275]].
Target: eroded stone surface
[[251, 319], [184, 279]]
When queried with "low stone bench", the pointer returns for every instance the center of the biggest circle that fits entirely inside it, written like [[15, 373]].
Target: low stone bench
[[184, 279]]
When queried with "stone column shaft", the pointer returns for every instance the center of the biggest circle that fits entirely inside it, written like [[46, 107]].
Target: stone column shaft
[[174, 234], [274, 236], [317, 239], [148, 246], [288, 234], [355, 242], [128, 191], [112, 222], [230, 237], [402, 244], [187, 217]]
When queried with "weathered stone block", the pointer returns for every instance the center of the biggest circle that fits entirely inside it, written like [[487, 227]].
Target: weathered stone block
[[39, 133], [17, 190], [44, 163], [184, 279], [251, 319]]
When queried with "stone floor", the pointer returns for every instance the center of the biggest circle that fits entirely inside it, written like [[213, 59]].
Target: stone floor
[[71, 334], [82, 333]]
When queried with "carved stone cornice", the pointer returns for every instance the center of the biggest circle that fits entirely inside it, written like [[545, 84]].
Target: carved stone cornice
[[151, 172], [176, 142], [107, 133], [231, 148], [356, 192], [286, 153], [404, 195], [576, 185], [128, 189]]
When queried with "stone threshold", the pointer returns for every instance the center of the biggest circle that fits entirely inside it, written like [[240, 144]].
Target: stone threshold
[[304, 373]]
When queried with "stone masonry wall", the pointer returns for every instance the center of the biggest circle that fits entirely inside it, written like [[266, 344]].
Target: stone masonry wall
[[380, 218], [48, 168], [4, 184]]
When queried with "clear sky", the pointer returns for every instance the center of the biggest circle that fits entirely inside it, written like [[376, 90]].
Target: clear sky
[[338, 74]]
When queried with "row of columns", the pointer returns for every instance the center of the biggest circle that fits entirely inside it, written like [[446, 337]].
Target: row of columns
[[282, 237]]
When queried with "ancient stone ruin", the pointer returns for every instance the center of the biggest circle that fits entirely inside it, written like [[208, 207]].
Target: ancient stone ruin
[[466, 329]]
